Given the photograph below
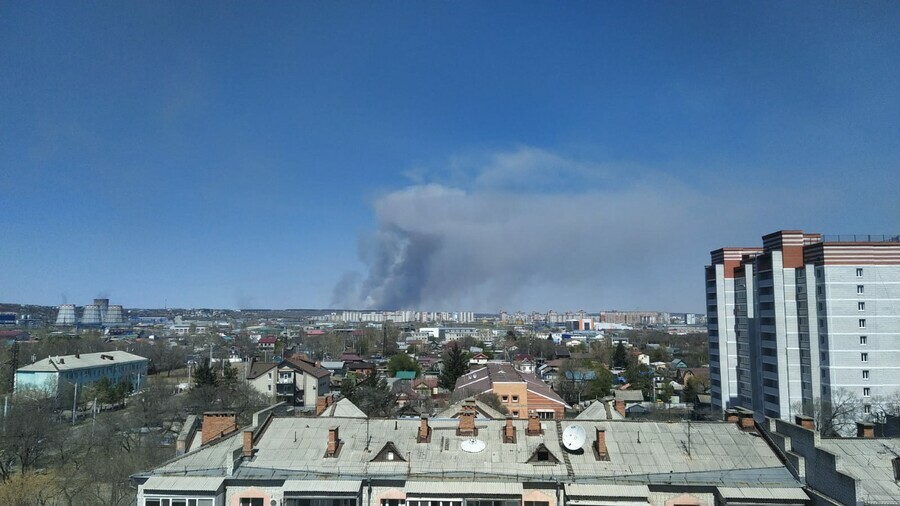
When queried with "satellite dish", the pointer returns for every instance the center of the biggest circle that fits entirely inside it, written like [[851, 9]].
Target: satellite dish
[[574, 437], [472, 445]]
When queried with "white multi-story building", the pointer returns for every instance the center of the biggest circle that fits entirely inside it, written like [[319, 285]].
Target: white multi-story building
[[802, 320]]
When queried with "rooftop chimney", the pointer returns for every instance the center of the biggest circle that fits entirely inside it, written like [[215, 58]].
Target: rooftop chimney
[[321, 404], [334, 443], [424, 435], [509, 430], [746, 420], [534, 425], [248, 444], [731, 416], [217, 424], [467, 424], [806, 422], [600, 445], [865, 430]]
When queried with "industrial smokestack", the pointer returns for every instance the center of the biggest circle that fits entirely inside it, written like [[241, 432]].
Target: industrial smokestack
[[103, 304]]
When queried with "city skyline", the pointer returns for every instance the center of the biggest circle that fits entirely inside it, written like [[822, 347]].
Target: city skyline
[[439, 156]]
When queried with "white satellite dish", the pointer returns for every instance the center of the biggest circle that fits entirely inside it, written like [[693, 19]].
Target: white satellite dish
[[472, 445], [574, 437]]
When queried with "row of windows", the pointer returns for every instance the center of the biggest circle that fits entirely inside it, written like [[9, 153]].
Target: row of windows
[[179, 501]]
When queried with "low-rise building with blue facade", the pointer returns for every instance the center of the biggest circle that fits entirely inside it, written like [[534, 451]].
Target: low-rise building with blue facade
[[83, 369]]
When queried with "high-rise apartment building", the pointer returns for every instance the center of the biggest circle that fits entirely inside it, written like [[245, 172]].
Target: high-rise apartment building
[[802, 320]]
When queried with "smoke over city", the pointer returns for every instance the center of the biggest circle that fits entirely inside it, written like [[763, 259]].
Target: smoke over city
[[501, 241]]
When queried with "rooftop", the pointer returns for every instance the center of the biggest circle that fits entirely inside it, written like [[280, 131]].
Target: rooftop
[[640, 453], [81, 361]]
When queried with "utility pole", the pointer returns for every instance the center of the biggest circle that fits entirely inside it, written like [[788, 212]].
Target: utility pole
[[75, 404]]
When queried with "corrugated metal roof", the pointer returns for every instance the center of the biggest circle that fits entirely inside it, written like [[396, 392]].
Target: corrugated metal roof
[[184, 483], [467, 488], [332, 486]]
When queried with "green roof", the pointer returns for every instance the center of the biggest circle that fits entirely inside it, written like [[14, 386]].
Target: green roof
[[406, 375]]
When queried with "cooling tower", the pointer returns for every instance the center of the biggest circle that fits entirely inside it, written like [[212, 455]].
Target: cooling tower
[[114, 316], [91, 315], [66, 315]]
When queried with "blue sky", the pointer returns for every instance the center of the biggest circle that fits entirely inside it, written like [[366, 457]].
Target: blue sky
[[433, 155]]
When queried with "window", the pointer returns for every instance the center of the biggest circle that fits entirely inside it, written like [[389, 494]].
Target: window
[[516, 413], [546, 415], [867, 409], [865, 374], [864, 357], [821, 306], [435, 502], [859, 272], [270, 387], [860, 289], [537, 503], [515, 398], [323, 502], [252, 501], [862, 323], [863, 340], [867, 392], [177, 501], [818, 290], [270, 375], [505, 398], [393, 502], [860, 306]]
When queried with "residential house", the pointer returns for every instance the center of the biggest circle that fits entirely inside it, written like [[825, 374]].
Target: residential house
[[626, 398], [524, 363], [478, 359], [295, 382], [521, 393]]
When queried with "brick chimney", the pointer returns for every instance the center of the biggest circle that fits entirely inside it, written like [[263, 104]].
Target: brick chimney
[[466, 424], [806, 422], [509, 430], [865, 430], [248, 444], [534, 425], [217, 424], [619, 407], [731, 416], [600, 445], [424, 435], [321, 404], [747, 422], [334, 443]]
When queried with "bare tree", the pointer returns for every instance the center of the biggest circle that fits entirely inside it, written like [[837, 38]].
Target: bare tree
[[836, 416]]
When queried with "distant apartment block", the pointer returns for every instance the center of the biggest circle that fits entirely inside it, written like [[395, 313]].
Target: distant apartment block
[[802, 319], [83, 369], [634, 317]]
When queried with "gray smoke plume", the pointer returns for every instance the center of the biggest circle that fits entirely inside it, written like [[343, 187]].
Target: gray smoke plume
[[625, 246]]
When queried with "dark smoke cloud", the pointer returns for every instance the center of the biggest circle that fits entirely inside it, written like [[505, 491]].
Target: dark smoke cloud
[[640, 244]]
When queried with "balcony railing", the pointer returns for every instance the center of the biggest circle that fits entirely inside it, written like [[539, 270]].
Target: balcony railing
[[860, 238]]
